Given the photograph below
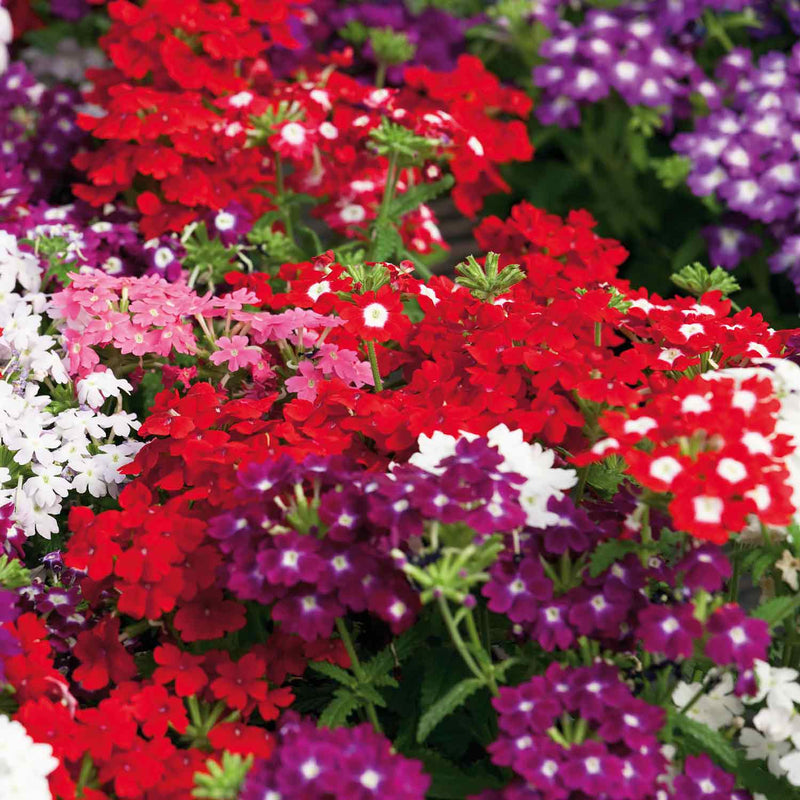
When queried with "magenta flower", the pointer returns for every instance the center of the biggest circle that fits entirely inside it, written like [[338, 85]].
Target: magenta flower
[[736, 638], [237, 351], [669, 630]]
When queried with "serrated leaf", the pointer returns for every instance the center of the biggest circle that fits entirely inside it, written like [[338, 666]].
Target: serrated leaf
[[703, 739], [449, 782], [387, 242], [760, 781], [371, 693], [607, 554], [335, 714], [417, 195], [456, 697], [604, 478], [761, 565], [441, 670], [777, 609], [407, 643], [332, 671], [503, 667]]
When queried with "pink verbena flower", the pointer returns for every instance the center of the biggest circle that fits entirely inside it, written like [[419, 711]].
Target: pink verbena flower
[[306, 383], [236, 351]]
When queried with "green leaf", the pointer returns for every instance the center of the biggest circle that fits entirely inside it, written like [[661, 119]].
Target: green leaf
[[702, 739], [371, 694], [761, 564], [417, 195], [607, 553], [335, 714], [387, 242], [760, 781], [777, 609], [407, 643], [456, 697], [222, 781], [442, 668], [697, 280], [605, 478], [332, 671], [448, 781]]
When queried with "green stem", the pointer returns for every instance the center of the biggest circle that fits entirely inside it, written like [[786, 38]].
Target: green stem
[[87, 766], [380, 75], [281, 191], [647, 531], [474, 637], [347, 640], [583, 476], [373, 362], [392, 175], [194, 711], [733, 586], [460, 645]]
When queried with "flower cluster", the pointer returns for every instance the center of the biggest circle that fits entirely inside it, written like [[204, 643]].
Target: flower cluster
[[281, 521], [622, 50], [72, 440], [743, 153], [204, 133], [344, 763], [693, 442], [39, 137]]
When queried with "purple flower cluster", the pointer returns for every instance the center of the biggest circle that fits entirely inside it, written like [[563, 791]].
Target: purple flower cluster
[[38, 137], [542, 585], [9, 611], [553, 606], [580, 730], [11, 536], [625, 50], [747, 153], [438, 37], [111, 243], [315, 538], [342, 764], [675, 16], [69, 10], [55, 596]]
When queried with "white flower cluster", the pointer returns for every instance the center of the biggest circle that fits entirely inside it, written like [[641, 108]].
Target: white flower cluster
[[6, 35], [48, 449], [532, 461], [718, 708], [24, 764], [67, 62], [775, 733], [23, 348]]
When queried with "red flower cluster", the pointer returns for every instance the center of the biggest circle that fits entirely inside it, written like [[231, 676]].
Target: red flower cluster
[[181, 109], [710, 442]]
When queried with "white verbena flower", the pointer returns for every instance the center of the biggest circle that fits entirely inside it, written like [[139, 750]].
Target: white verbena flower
[[791, 765], [24, 764], [47, 485], [778, 724], [717, 709], [758, 746], [97, 387], [778, 685]]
